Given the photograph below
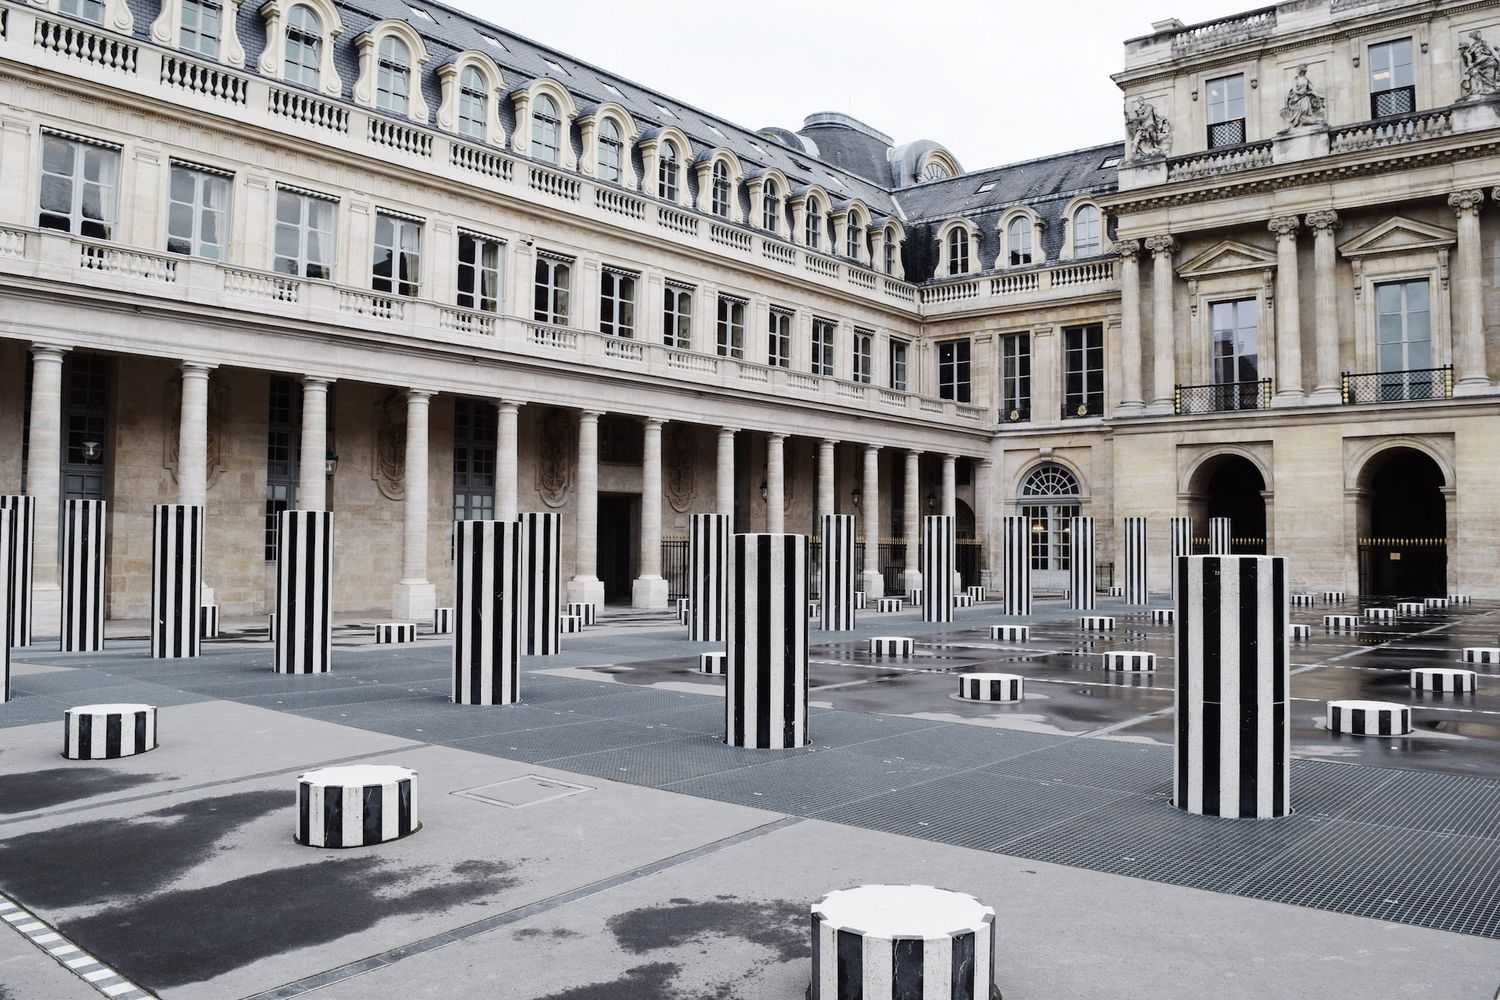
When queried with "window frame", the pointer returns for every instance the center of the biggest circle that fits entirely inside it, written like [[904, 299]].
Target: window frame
[[84, 10], [729, 330], [549, 152], [1096, 246], [813, 225], [611, 171], [389, 72], [473, 124], [824, 343], [475, 458], [617, 300], [297, 39], [1223, 126], [1013, 254], [1408, 90], [779, 325], [668, 164], [400, 257], [958, 250], [955, 370], [1090, 392], [719, 189], [215, 36], [900, 361], [677, 315], [1015, 377], [107, 190], [479, 271], [303, 261], [552, 290], [862, 356], [201, 179]]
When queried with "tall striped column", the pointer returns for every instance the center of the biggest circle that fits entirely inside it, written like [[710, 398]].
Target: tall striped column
[[7, 553], [82, 553], [766, 639], [937, 568], [489, 605], [837, 557], [1182, 545], [176, 579], [1015, 559], [1219, 541], [304, 592], [22, 533], [708, 576], [1233, 723], [542, 583], [1137, 585], [1081, 563]]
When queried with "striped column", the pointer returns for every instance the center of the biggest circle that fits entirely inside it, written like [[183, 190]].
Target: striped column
[[937, 568], [1081, 585], [542, 582], [357, 805], [22, 533], [6, 555], [837, 557], [708, 576], [1182, 545], [304, 592], [1232, 655], [1015, 561], [766, 638], [1137, 585], [1219, 540], [83, 531], [176, 579], [488, 600], [107, 732]]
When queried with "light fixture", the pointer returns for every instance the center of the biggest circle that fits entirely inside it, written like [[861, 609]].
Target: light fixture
[[330, 463], [931, 501], [856, 495], [765, 494], [92, 450]]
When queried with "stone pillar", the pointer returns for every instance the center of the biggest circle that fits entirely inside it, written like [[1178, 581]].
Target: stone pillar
[[44, 483], [766, 681], [176, 578], [949, 504], [827, 484], [1329, 388], [586, 587], [1469, 364], [303, 629], [911, 518], [836, 554], [312, 478], [507, 477], [83, 548], [415, 596], [872, 582], [6, 555], [937, 568], [1288, 314], [1081, 583], [775, 484], [1130, 328], [724, 478], [1137, 583], [650, 589], [1163, 334], [1016, 544], [192, 444]]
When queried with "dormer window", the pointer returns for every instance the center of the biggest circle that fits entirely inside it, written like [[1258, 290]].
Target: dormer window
[[814, 230], [958, 250], [854, 237], [200, 27], [304, 47], [890, 254], [611, 151], [720, 204], [393, 76], [666, 172], [1018, 241], [934, 171], [1086, 241], [546, 129], [473, 104], [771, 208]]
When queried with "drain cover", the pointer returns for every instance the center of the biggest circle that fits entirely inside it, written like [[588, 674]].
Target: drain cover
[[528, 790]]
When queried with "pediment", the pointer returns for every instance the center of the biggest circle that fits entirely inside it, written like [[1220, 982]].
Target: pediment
[[1399, 235], [1226, 257]]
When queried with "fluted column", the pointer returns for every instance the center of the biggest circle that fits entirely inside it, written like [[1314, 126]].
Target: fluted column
[[1470, 368], [44, 482], [911, 517], [650, 589], [775, 484], [415, 596], [724, 479], [586, 587], [1288, 314], [827, 502], [1326, 310], [312, 475], [871, 580], [1163, 336], [1130, 328], [507, 476]]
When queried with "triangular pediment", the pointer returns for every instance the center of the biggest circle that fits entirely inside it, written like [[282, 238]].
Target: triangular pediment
[[1399, 235], [1226, 257]]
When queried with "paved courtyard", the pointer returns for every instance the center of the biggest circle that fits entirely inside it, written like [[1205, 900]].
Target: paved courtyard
[[599, 840]]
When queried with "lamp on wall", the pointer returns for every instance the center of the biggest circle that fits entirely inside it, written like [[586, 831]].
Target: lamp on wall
[[765, 494], [330, 463], [931, 501], [92, 451], [856, 495]]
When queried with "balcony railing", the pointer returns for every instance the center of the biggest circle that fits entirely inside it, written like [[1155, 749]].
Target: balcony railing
[[1077, 408], [1396, 101], [1221, 397], [1230, 133], [1396, 387], [1016, 413]]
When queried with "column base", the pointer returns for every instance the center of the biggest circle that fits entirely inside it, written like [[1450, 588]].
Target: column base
[[1132, 409], [46, 612], [413, 600], [1325, 395], [911, 579], [1288, 397], [649, 592], [586, 590], [1161, 408], [1473, 387], [873, 584]]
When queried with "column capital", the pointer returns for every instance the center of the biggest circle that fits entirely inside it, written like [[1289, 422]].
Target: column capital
[[1466, 202], [197, 368], [1323, 223], [831, 442], [416, 395], [653, 423], [507, 406], [1284, 226], [871, 448], [590, 416], [1127, 248], [775, 436], [1161, 246], [731, 431], [49, 351], [914, 453], [315, 381]]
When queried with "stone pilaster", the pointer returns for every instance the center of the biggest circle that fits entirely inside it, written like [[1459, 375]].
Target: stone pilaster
[[1469, 363]]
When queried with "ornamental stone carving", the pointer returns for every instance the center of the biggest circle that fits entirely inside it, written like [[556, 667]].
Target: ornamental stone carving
[[1480, 65], [1160, 245], [1320, 222], [1147, 132], [1465, 202], [1304, 106], [1284, 226], [1128, 248], [554, 457], [681, 475], [388, 461]]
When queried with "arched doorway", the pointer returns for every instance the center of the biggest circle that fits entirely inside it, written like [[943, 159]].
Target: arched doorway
[[1049, 496], [1403, 526], [1231, 486]]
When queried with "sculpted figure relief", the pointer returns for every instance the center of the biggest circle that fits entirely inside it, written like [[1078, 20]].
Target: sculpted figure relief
[[1304, 105], [389, 459], [1480, 64], [1147, 131], [554, 457]]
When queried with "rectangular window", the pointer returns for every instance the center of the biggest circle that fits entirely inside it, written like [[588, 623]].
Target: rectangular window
[[823, 331], [779, 343], [79, 182], [1015, 377], [1392, 79], [677, 316], [899, 352], [200, 27], [283, 447], [1403, 326], [1236, 359], [553, 278], [398, 255], [616, 303], [1226, 111], [479, 270], [1083, 371], [731, 331], [474, 432], [953, 370], [89, 10], [304, 234], [198, 213], [864, 355], [85, 413]]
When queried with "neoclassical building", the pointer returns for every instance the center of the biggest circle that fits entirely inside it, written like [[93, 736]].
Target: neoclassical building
[[386, 259]]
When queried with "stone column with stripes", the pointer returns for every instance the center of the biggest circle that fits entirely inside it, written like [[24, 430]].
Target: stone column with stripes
[[837, 557], [83, 535], [1137, 582], [176, 579], [1081, 586], [766, 639], [22, 535], [7, 553], [1015, 543], [1233, 737], [1219, 536], [937, 568], [489, 567], [1182, 545], [542, 582], [708, 576], [304, 592]]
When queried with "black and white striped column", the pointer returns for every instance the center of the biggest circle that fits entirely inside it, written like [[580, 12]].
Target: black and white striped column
[[585, 611], [105, 732], [1368, 718], [21, 531], [542, 582], [892, 647], [82, 554], [304, 592], [1220, 541], [1081, 563], [889, 605], [1444, 680], [6, 555], [357, 805], [937, 568], [489, 568], [1181, 545], [1232, 655], [208, 621], [1129, 660], [990, 687], [708, 576], [837, 557], [176, 579], [393, 633], [442, 621], [1010, 633], [1015, 554], [766, 639], [1137, 583]]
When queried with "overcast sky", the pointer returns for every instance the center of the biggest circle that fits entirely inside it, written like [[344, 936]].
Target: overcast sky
[[994, 81]]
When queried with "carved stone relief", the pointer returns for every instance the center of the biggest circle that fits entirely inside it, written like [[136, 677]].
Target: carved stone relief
[[554, 457], [681, 476], [388, 462]]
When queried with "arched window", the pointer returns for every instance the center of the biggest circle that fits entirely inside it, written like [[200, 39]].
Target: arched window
[[611, 151], [666, 171], [934, 171], [473, 104], [1049, 501], [200, 27], [1086, 231], [771, 210], [890, 253], [393, 77], [814, 233], [1050, 481], [304, 47], [546, 129], [1018, 240], [854, 237], [958, 250], [720, 206]]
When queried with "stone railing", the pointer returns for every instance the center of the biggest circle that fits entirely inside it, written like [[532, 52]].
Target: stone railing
[[1391, 132], [1219, 161], [1224, 32], [1060, 280]]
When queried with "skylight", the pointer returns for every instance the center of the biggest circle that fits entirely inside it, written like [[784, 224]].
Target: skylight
[[613, 89], [494, 42], [1109, 161], [664, 110], [986, 186], [714, 129], [556, 66], [419, 12]]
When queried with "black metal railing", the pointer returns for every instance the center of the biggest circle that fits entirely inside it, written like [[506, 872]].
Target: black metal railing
[[1220, 397], [1240, 545], [1015, 413], [1076, 406], [674, 566], [1230, 133], [1395, 387], [1396, 101]]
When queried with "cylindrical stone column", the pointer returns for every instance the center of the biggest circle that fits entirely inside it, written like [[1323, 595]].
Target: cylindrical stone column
[[1182, 545], [44, 486], [1220, 536], [415, 596], [1233, 741], [176, 579], [488, 567], [507, 477], [1288, 312], [542, 582], [872, 581], [650, 588], [356, 805], [18, 584], [1081, 584], [708, 576], [1468, 335], [304, 592], [1324, 226], [585, 586], [766, 707], [192, 435], [949, 505], [837, 556], [1015, 560], [83, 547], [1163, 334], [775, 484], [827, 500], [724, 477], [911, 515], [937, 568], [1137, 582], [1130, 327], [312, 478]]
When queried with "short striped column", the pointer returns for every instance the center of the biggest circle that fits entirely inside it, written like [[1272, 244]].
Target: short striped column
[[1435, 603], [1117, 590], [391, 633], [570, 624], [1120, 659], [1301, 633], [1444, 680], [1304, 601], [990, 687], [21, 532], [766, 639], [442, 621], [812, 609], [708, 576], [1232, 754], [976, 593], [1182, 545], [1460, 599], [713, 663], [1137, 583], [1220, 540], [1015, 557], [1368, 718], [83, 546], [488, 595], [1341, 623], [1163, 616], [860, 601], [1333, 597], [357, 805], [7, 554], [914, 598], [891, 647], [1097, 623], [1081, 563], [1481, 654], [303, 625], [684, 610], [1010, 633], [888, 605], [837, 558], [585, 611], [176, 579], [911, 942], [104, 732], [963, 601], [208, 621], [542, 601], [1380, 614], [937, 568], [1411, 609]]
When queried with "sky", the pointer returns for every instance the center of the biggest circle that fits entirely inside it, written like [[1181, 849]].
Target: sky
[[995, 82]]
